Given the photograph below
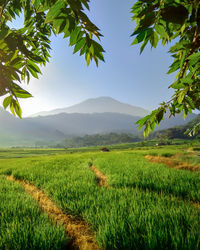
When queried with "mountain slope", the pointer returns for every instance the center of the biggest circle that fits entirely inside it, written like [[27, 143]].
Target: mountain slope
[[81, 124], [16, 132], [99, 105]]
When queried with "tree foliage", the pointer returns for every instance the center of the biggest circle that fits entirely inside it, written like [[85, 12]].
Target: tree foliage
[[23, 51], [165, 21]]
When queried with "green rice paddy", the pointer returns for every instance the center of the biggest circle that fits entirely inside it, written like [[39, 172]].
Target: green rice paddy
[[146, 206]]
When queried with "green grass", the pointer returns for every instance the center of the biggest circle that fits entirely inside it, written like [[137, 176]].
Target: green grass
[[130, 169], [22, 224], [191, 159], [147, 207]]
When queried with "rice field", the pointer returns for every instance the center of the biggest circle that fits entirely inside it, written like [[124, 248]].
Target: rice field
[[144, 205], [22, 224]]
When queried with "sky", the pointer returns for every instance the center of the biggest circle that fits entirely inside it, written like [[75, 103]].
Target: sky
[[126, 76]]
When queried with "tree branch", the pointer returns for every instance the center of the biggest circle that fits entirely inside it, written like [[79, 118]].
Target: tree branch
[[194, 45]]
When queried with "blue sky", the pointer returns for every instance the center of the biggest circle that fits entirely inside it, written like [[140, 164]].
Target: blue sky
[[127, 76]]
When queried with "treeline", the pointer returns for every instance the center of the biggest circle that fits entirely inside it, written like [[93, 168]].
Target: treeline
[[97, 140], [170, 133]]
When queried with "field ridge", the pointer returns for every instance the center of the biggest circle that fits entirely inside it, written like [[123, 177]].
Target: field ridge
[[173, 163], [101, 178]]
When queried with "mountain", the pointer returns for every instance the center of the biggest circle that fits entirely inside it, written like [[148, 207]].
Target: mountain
[[98, 105], [81, 124], [52, 128], [17, 132]]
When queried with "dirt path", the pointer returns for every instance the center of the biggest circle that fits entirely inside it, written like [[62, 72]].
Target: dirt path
[[79, 231], [173, 163], [101, 178]]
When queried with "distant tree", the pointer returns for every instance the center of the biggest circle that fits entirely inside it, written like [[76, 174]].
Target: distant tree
[[169, 20], [23, 51]]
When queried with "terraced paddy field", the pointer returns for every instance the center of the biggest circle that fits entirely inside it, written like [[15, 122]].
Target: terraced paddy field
[[60, 199]]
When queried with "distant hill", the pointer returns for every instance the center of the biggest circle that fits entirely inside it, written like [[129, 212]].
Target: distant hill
[[99, 123], [81, 124], [98, 105], [54, 128], [17, 132]]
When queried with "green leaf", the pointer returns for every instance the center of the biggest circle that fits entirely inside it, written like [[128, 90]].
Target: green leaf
[[32, 71], [159, 115], [140, 37], [74, 36], [18, 110], [174, 67], [177, 85], [142, 121], [97, 47], [184, 114], [160, 30], [194, 58], [20, 92], [187, 81], [143, 45], [12, 107], [154, 39], [80, 44], [54, 11], [88, 58], [59, 24], [34, 66], [7, 101], [36, 3], [183, 56], [147, 130], [181, 97]]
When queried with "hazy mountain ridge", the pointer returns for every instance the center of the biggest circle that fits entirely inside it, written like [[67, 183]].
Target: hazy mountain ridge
[[80, 124], [98, 105], [16, 132], [23, 132]]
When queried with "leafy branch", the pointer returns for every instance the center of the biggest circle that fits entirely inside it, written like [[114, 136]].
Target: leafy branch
[[25, 50], [168, 20]]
